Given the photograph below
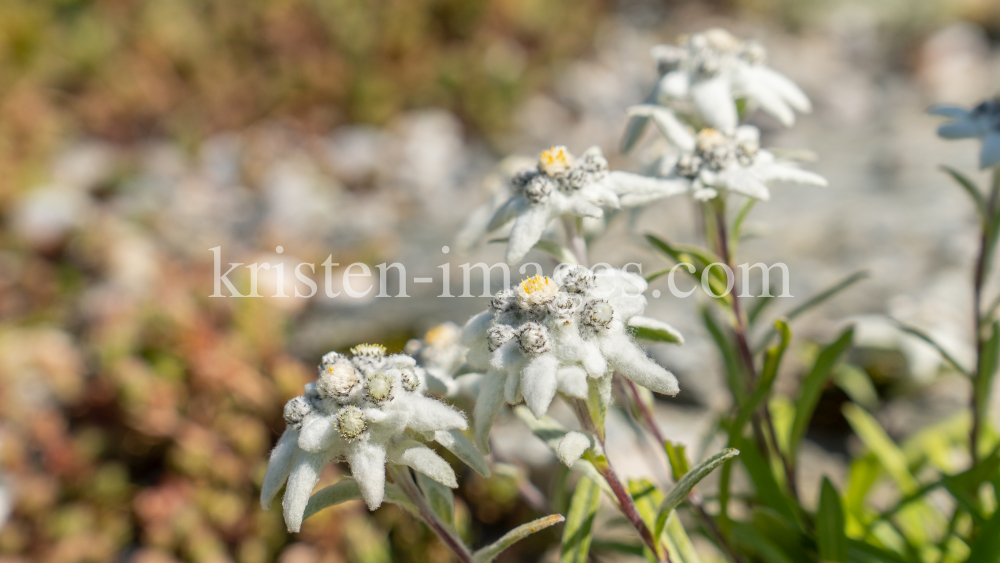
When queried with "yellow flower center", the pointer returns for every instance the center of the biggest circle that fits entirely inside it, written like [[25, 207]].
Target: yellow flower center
[[555, 160], [536, 284], [368, 350]]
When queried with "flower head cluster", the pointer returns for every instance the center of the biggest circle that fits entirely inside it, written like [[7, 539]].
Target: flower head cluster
[[559, 184], [559, 335], [366, 410], [441, 355], [713, 69], [981, 122]]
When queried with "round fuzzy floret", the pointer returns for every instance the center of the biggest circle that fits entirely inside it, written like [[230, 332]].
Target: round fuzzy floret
[[351, 423], [503, 301], [498, 335], [296, 411], [534, 338], [598, 314], [536, 291], [337, 381], [378, 388]]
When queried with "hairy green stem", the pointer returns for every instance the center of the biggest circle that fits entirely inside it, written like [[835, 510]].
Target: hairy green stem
[[625, 502], [402, 477]]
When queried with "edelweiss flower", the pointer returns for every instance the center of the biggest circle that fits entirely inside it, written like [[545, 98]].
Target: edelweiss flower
[[982, 122], [365, 410], [559, 185], [441, 354], [559, 335], [729, 161]]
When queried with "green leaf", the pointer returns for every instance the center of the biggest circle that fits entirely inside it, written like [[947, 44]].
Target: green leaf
[[456, 442], [758, 306], [678, 543], [831, 538], [550, 247], [815, 301], [490, 552], [857, 384], [577, 533], [740, 217], [987, 368], [677, 458], [758, 466], [440, 498], [812, 387], [881, 445], [735, 375], [618, 547], [653, 330], [683, 487], [863, 551], [940, 349], [772, 360], [971, 189], [698, 257], [347, 489], [550, 431], [986, 547], [747, 539]]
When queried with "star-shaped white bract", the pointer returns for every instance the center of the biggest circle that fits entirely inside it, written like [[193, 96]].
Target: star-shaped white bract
[[981, 122], [711, 71], [723, 161], [560, 185], [559, 335], [366, 410]]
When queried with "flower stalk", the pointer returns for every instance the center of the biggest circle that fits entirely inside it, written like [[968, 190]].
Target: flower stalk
[[987, 241], [402, 477]]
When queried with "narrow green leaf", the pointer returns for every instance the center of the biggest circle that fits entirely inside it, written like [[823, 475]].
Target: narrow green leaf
[[863, 474], [758, 306], [653, 330], [831, 538], [772, 360], [940, 349], [550, 247], [683, 487], [812, 387], [617, 547], [678, 543], [658, 274], [881, 445], [577, 533], [490, 552], [440, 498], [971, 189], [747, 539], [863, 551], [986, 547], [815, 301], [768, 492], [987, 367], [698, 257], [735, 375], [740, 218], [347, 489], [456, 442], [857, 384], [677, 458]]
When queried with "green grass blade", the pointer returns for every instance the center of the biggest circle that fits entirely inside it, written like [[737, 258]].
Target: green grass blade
[[490, 552], [578, 533], [831, 538], [683, 487], [812, 387]]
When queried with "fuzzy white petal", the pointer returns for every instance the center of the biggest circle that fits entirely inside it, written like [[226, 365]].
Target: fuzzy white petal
[[428, 415], [572, 382], [512, 388], [301, 481], [714, 101], [488, 405], [367, 461], [571, 447], [279, 466], [674, 85], [665, 119], [784, 87], [634, 190], [593, 361], [631, 361], [961, 129], [458, 444], [538, 383], [528, 229], [742, 181], [990, 155], [771, 102], [506, 212], [779, 172], [318, 433], [425, 460], [474, 337]]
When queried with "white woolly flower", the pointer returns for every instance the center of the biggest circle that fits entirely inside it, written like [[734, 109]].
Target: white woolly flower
[[533, 348], [724, 161], [366, 410], [559, 185], [440, 354], [981, 122], [713, 69]]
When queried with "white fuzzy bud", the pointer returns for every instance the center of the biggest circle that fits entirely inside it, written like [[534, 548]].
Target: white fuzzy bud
[[577, 279], [538, 189], [522, 177], [564, 305], [598, 314], [351, 423], [296, 411], [498, 335], [409, 379], [503, 301], [572, 447], [534, 338], [337, 380], [378, 388]]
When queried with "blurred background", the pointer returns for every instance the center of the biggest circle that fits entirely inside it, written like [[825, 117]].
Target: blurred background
[[136, 412]]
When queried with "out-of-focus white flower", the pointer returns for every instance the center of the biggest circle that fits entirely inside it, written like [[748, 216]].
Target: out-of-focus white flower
[[981, 122], [497, 186], [723, 161], [559, 185], [559, 336], [366, 410], [441, 354]]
